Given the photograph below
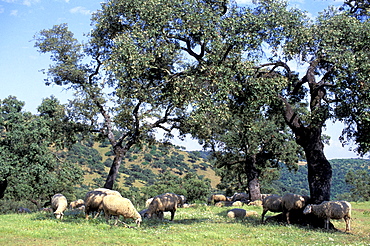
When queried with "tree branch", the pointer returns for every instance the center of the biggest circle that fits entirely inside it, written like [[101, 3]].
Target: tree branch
[[162, 120], [231, 46], [191, 52], [188, 48], [276, 65], [290, 116], [96, 71]]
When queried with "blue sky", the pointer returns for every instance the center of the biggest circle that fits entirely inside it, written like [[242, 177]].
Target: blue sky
[[20, 62]]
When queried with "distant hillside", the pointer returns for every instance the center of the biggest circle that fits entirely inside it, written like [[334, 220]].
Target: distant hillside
[[296, 182], [142, 165]]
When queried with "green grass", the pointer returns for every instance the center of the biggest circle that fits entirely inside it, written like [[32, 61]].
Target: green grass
[[192, 226]]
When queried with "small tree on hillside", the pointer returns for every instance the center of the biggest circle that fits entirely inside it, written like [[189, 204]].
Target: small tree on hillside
[[244, 147], [191, 185], [127, 91]]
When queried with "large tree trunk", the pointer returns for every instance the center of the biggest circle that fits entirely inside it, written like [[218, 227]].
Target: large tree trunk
[[254, 189], [3, 186], [253, 182], [319, 172], [319, 168]]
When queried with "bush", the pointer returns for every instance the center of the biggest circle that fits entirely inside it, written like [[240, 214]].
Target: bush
[[12, 206], [192, 186], [148, 157]]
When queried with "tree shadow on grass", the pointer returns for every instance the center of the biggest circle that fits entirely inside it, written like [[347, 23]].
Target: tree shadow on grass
[[70, 216], [154, 222], [252, 219], [310, 222], [190, 221]]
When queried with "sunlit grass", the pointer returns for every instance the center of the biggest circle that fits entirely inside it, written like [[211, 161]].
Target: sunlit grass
[[203, 225]]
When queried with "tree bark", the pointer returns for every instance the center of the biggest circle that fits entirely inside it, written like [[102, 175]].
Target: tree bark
[[252, 178], [114, 169], [319, 168], [254, 189], [3, 186]]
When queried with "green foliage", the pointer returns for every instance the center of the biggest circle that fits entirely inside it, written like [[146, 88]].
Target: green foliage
[[192, 186], [30, 161], [360, 182], [289, 181], [84, 155], [9, 206], [166, 182], [66, 52], [197, 188], [136, 172]]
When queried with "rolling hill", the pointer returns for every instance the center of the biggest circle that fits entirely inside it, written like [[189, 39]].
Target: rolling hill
[[142, 166]]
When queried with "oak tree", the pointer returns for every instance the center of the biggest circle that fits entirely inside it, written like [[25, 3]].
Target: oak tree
[[31, 164], [170, 64]]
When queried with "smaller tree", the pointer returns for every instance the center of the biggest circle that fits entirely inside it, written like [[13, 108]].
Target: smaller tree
[[197, 188], [248, 139], [126, 92], [192, 186], [166, 182]]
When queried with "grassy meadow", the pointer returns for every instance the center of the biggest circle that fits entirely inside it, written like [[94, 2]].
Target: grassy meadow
[[201, 225]]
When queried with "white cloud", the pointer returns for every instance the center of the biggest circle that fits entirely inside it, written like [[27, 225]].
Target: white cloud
[[80, 10], [244, 1], [14, 13], [1, 9]]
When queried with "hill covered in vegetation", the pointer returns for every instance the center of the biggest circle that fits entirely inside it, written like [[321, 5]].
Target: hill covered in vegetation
[[142, 166], [155, 169], [296, 181]]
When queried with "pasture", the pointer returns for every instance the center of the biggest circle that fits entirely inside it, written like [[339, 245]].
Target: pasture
[[201, 225]]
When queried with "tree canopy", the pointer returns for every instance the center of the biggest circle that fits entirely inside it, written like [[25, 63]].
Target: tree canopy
[[191, 64]]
